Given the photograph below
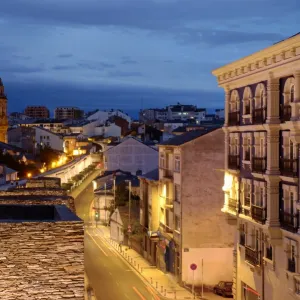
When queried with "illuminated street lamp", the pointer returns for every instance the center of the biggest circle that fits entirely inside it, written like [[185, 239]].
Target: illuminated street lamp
[[29, 175]]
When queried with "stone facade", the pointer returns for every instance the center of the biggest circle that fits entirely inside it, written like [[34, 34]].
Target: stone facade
[[42, 260], [261, 184], [43, 182]]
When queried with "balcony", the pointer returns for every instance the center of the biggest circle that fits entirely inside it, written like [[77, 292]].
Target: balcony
[[259, 164], [289, 222], [251, 256], [247, 201], [259, 116], [233, 162], [285, 113], [289, 167], [168, 203], [234, 118], [168, 173], [165, 228], [258, 214], [233, 205], [291, 265]]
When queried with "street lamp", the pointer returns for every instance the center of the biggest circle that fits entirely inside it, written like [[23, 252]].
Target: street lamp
[[129, 212]]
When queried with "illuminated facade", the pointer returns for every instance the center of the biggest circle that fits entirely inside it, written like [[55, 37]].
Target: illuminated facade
[[3, 114], [261, 186]]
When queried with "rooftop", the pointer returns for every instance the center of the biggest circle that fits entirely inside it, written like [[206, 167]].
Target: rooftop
[[36, 213], [152, 175], [186, 137]]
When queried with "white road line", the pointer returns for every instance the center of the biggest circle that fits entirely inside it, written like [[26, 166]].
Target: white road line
[[97, 244]]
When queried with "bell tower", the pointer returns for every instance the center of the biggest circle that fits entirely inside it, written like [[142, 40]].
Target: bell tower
[[3, 114]]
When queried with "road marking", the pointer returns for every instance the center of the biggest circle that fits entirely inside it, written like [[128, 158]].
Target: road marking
[[128, 270], [138, 293], [152, 293], [97, 244]]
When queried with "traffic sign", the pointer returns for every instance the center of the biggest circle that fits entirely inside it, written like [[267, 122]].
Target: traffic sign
[[193, 267]]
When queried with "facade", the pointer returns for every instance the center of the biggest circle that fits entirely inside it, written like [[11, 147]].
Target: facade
[[62, 113], [37, 112], [131, 155], [108, 130], [3, 114], [180, 209], [261, 184], [52, 125], [45, 137], [220, 113], [103, 116], [181, 112], [22, 137]]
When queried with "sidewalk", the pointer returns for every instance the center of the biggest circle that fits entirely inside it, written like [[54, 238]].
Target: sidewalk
[[163, 283]]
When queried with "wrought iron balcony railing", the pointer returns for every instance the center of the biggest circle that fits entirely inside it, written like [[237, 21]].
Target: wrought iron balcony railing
[[233, 162], [252, 256], [289, 221], [259, 115], [291, 265], [234, 118], [289, 167], [258, 214], [286, 113], [259, 164], [247, 201]]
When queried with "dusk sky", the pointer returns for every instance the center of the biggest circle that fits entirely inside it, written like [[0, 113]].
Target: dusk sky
[[114, 53]]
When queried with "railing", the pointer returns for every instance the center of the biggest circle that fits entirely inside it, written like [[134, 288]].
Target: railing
[[269, 253], [232, 205], [259, 164], [289, 167], [286, 113], [234, 118], [259, 116], [251, 256], [291, 265], [247, 201], [258, 214], [242, 238], [289, 222], [233, 162]]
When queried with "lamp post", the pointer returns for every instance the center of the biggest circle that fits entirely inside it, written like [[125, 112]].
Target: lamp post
[[105, 207], [114, 192]]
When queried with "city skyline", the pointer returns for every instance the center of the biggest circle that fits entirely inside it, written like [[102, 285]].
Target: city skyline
[[130, 54]]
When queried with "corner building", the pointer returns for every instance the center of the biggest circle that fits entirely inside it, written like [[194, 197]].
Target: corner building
[[261, 184]]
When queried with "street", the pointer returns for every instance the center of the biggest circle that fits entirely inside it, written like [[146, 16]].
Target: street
[[110, 276]]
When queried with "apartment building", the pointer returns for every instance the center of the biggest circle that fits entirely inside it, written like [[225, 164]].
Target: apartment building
[[180, 209], [37, 112], [261, 184], [63, 113]]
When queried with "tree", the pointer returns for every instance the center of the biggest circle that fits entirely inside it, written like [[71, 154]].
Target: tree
[[48, 155]]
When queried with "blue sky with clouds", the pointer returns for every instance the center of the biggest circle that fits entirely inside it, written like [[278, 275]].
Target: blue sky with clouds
[[130, 53]]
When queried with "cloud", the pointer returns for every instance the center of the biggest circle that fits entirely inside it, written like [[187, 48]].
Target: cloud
[[8, 67], [125, 74], [22, 57], [65, 55], [95, 66], [129, 62], [64, 67]]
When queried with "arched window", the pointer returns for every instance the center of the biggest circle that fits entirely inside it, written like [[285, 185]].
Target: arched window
[[261, 99], [292, 93]]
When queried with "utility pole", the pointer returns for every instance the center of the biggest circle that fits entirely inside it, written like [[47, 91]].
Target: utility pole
[[130, 203], [114, 192], [105, 207]]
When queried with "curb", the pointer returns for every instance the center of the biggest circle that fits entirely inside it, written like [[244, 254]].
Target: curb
[[161, 292]]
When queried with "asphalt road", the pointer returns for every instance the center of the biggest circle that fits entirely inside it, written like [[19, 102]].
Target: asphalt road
[[110, 276]]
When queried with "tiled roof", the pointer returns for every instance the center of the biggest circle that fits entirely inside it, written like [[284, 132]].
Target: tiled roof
[[186, 137]]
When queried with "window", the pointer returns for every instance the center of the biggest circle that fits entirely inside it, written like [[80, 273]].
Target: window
[[292, 94], [247, 193], [177, 223], [269, 252], [242, 235], [162, 161], [234, 144], [291, 251], [177, 164], [177, 193], [247, 142]]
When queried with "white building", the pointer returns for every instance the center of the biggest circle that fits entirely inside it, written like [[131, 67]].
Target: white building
[[103, 116], [220, 113], [131, 155], [108, 130], [261, 184], [45, 137]]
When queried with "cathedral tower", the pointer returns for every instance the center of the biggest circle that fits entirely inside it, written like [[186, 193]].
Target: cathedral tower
[[3, 114]]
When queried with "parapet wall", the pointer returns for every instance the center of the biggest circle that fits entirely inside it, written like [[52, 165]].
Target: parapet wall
[[43, 182], [42, 260], [35, 192]]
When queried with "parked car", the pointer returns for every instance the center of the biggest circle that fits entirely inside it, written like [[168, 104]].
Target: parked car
[[224, 288]]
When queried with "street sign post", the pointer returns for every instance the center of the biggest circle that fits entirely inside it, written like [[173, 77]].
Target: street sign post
[[193, 268]]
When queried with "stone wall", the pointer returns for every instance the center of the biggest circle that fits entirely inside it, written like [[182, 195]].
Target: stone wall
[[43, 182], [42, 260], [39, 200], [34, 191]]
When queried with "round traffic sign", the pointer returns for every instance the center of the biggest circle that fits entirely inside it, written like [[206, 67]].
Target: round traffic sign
[[193, 267]]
